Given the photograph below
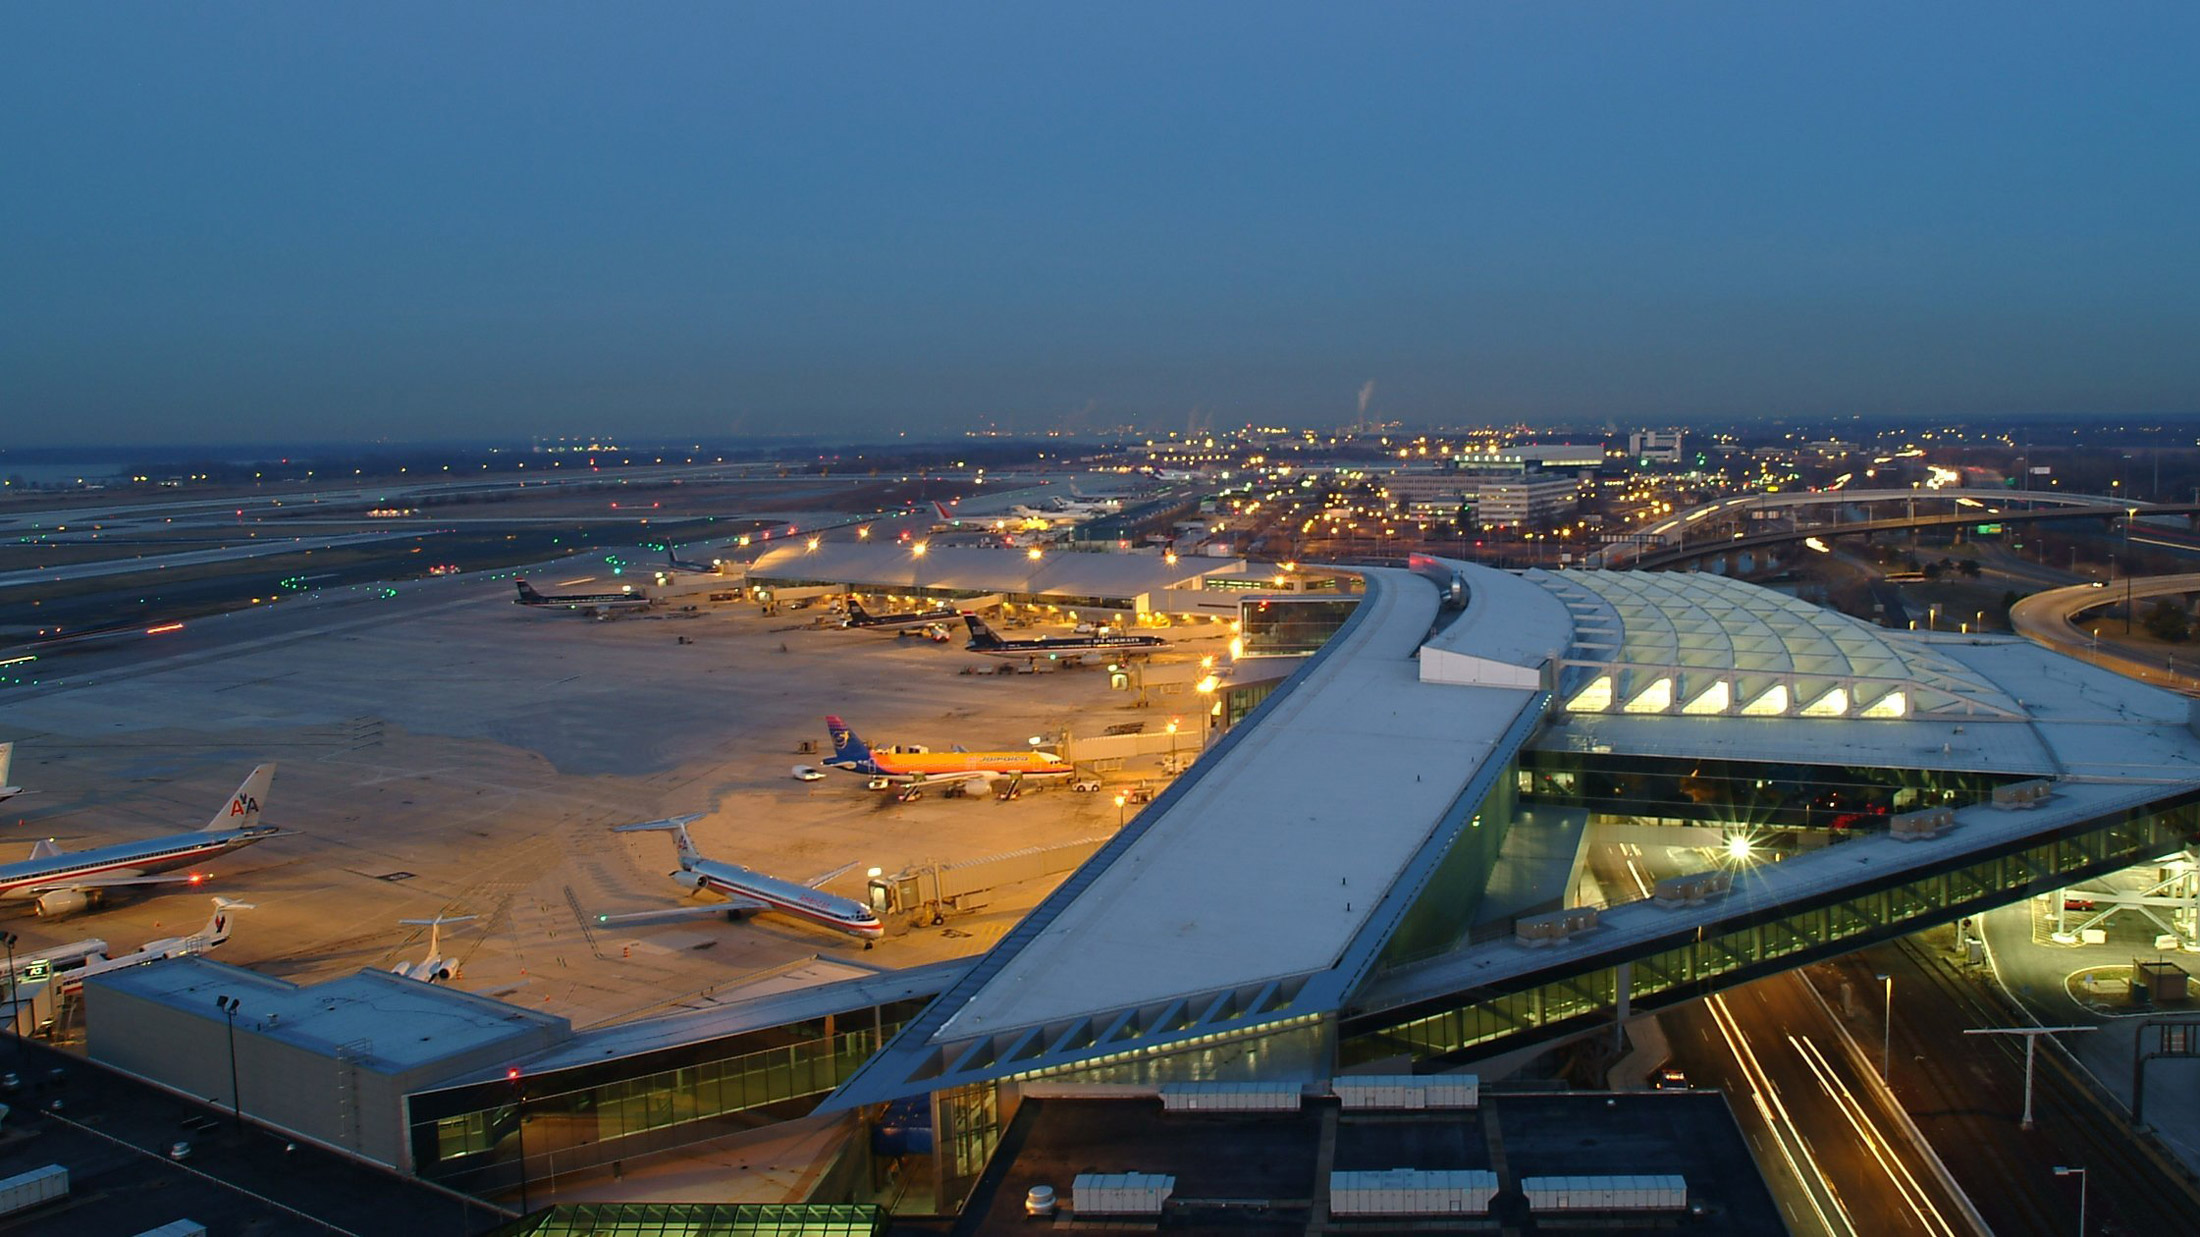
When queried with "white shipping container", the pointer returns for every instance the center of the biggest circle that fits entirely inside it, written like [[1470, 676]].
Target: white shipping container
[[1411, 1192], [1610, 1193], [1120, 1194], [29, 1189], [1230, 1096], [1408, 1091]]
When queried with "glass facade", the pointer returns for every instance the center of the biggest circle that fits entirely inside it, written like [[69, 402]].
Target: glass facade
[[1712, 791], [1291, 627], [700, 1220], [1447, 908], [470, 1137], [1754, 943]]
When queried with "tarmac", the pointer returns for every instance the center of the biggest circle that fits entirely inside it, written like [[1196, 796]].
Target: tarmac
[[443, 751]]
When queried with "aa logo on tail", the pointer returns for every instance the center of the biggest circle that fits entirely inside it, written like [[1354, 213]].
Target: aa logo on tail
[[244, 805]]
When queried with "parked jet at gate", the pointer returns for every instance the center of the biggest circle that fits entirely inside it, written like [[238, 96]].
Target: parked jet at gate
[[581, 603], [911, 768], [747, 891], [60, 883], [984, 640], [859, 617], [213, 934]]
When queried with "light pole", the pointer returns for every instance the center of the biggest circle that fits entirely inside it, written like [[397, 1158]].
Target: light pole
[[1886, 1031], [1120, 800], [229, 1006], [519, 1126], [2079, 1173], [2130, 514], [1172, 745], [15, 1017]]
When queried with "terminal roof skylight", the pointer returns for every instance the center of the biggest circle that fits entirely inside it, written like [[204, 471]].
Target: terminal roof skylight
[[1702, 644]]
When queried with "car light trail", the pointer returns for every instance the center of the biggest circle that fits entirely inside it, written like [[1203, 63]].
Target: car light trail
[[1793, 1147]]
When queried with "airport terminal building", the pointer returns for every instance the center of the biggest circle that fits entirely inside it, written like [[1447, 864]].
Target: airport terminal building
[[1386, 868]]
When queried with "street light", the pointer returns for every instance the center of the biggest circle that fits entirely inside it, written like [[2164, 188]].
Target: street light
[[2079, 1173], [1886, 1032], [1120, 800], [229, 1005], [15, 1017], [519, 1126]]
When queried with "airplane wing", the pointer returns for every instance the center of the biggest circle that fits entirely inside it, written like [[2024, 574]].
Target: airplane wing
[[673, 914], [983, 776], [117, 880], [819, 882]]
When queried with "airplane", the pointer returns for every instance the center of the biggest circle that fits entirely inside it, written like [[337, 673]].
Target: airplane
[[678, 564], [983, 639], [60, 883], [581, 603], [7, 758], [747, 891], [213, 934], [913, 769], [435, 968], [858, 617], [1059, 508]]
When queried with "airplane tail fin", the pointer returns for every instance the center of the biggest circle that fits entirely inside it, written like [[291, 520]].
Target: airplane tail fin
[[981, 636], [677, 827], [941, 507], [846, 746], [7, 757], [527, 591], [244, 806], [45, 848], [217, 928], [855, 611]]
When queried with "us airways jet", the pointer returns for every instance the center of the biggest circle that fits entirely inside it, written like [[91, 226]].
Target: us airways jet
[[592, 604], [747, 891], [58, 882], [983, 639], [858, 617], [909, 769]]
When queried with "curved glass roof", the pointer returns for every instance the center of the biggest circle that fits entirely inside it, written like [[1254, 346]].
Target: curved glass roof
[[1702, 644]]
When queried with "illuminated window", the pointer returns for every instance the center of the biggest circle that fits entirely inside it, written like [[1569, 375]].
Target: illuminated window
[[1834, 703], [1773, 703], [1713, 699], [1656, 698], [1893, 704], [1595, 698]]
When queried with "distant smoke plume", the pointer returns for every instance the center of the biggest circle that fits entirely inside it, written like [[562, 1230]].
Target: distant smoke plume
[[1367, 392]]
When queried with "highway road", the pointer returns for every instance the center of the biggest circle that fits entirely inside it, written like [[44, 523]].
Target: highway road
[[2050, 619], [1837, 1160], [1966, 1094]]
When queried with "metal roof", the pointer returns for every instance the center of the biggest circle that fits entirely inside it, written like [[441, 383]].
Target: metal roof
[[1258, 888], [383, 1022]]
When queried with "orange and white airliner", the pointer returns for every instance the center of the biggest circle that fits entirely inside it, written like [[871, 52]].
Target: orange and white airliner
[[912, 768]]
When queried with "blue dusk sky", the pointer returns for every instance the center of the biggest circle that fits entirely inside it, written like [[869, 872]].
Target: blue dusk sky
[[235, 222]]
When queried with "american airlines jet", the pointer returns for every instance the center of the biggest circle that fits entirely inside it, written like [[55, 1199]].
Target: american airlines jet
[[58, 882], [747, 891]]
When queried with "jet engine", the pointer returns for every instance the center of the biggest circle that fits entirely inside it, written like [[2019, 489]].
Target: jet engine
[[64, 902], [689, 880]]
